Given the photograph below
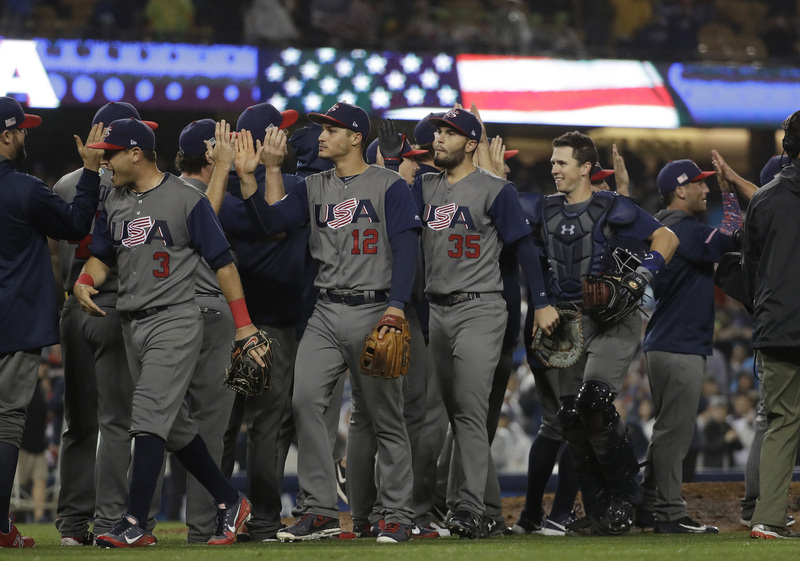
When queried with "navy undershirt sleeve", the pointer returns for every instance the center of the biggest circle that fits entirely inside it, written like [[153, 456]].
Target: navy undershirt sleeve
[[529, 261], [404, 259], [290, 212], [206, 235], [400, 210], [507, 216]]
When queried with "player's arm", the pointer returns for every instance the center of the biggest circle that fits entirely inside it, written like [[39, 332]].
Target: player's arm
[[621, 175], [514, 229], [272, 156], [231, 286], [93, 275], [752, 248], [663, 242], [725, 172], [55, 263], [222, 154]]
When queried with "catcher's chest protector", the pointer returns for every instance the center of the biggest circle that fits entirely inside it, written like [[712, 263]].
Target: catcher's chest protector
[[575, 242]]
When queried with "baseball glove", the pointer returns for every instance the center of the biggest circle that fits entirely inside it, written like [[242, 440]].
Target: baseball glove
[[245, 375], [563, 347], [388, 357], [608, 299]]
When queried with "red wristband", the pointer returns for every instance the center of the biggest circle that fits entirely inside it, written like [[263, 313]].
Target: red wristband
[[239, 310], [85, 278]]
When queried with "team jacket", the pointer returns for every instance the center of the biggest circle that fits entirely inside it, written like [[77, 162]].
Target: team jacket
[[29, 213], [771, 260], [683, 320]]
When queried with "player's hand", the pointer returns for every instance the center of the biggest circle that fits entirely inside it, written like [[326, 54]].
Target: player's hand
[[725, 174], [274, 148], [223, 152], [389, 141], [545, 319], [248, 154], [391, 311], [497, 153], [83, 294], [91, 156], [620, 172], [255, 353]]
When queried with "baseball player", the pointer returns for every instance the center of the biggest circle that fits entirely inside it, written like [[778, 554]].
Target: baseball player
[[209, 404], [725, 173], [469, 214], [29, 212], [97, 386], [582, 230], [157, 228], [272, 273], [364, 235], [769, 267], [547, 445], [620, 173], [679, 336]]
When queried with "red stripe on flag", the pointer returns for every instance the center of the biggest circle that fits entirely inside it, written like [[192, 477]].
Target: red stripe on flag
[[568, 100]]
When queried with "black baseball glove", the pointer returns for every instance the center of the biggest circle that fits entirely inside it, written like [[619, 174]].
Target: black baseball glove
[[563, 347], [245, 375], [610, 299]]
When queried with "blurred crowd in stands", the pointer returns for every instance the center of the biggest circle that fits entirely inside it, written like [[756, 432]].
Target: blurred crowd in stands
[[736, 30]]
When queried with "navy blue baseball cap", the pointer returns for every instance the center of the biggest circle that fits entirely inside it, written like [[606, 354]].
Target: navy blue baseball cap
[[13, 117], [258, 118], [345, 115], [114, 110], [123, 134], [679, 173], [772, 168], [425, 132], [599, 174], [462, 120], [406, 151], [194, 135]]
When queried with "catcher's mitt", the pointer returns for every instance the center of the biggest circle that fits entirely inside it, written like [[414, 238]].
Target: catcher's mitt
[[388, 357], [608, 299], [245, 375], [563, 347]]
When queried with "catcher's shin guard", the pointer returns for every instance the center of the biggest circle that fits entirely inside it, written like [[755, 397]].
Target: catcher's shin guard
[[606, 435], [592, 484]]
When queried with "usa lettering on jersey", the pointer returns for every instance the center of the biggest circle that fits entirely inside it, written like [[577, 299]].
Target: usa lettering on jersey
[[140, 231], [439, 217], [347, 212]]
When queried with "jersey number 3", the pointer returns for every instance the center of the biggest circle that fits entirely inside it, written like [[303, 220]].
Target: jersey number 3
[[467, 246], [162, 271]]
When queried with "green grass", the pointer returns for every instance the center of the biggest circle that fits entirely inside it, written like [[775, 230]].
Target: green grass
[[729, 546]]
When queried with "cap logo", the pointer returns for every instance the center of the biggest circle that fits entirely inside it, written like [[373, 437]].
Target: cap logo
[[355, 124], [133, 142], [452, 113], [11, 122], [683, 178], [473, 133], [108, 131], [212, 141]]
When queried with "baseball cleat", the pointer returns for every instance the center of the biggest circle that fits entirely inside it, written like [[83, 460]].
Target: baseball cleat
[[13, 538], [789, 521], [465, 524], [684, 525], [230, 520], [767, 532], [418, 531], [310, 527], [395, 532], [125, 533], [85, 539]]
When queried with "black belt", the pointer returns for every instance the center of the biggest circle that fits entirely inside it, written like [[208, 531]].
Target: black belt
[[353, 297], [453, 298], [141, 314]]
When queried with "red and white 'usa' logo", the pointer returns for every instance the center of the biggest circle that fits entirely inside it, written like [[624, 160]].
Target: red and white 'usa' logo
[[343, 213], [138, 231], [442, 217]]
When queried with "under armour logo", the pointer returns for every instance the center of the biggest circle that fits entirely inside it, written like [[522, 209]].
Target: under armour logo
[[568, 229]]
